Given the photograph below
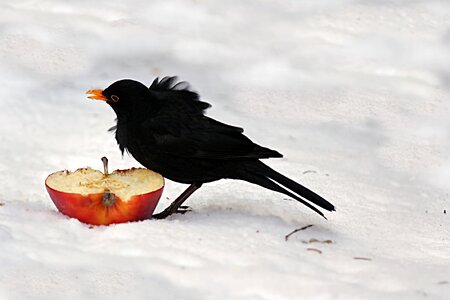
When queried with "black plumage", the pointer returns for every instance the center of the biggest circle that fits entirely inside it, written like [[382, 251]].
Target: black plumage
[[164, 128]]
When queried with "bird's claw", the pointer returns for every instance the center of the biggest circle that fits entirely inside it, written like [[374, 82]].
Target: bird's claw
[[168, 211], [183, 209]]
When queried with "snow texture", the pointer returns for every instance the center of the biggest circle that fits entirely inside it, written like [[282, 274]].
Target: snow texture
[[355, 94]]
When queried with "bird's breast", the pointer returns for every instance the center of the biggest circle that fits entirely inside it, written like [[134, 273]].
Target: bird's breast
[[121, 137]]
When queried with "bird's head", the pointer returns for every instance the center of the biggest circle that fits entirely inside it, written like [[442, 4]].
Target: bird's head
[[124, 96]]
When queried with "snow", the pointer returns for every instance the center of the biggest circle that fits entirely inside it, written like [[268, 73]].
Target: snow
[[355, 94]]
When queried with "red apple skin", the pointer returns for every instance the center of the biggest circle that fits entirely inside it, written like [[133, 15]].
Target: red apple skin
[[89, 208]]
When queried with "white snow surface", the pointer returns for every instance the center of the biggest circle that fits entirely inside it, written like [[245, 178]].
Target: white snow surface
[[355, 94]]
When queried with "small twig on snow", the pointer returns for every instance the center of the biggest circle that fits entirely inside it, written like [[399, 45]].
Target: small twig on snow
[[296, 230], [315, 250], [362, 258], [309, 171], [317, 241]]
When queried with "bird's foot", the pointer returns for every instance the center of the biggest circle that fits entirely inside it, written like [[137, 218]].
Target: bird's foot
[[183, 209], [169, 211]]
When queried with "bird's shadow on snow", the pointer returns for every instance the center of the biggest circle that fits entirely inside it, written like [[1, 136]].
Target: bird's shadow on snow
[[217, 216]]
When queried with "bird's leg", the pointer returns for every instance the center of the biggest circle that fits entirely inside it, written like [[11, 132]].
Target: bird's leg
[[173, 208]]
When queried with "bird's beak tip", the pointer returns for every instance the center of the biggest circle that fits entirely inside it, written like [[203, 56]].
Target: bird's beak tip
[[96, 94]]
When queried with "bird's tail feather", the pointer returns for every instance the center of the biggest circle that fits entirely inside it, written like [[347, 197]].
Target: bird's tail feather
[[265, 176]]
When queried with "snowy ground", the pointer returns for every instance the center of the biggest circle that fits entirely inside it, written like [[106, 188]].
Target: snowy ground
[[355, 94]]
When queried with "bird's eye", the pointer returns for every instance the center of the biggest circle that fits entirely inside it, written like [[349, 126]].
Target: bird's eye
[[114, 98]]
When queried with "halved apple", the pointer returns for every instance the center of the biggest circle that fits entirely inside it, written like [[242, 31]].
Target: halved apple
[[100, 198]]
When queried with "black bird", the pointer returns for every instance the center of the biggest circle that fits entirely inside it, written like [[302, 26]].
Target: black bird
[[164, 128]]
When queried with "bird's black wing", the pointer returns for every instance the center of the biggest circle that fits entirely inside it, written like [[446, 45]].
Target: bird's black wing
[[180, 127]]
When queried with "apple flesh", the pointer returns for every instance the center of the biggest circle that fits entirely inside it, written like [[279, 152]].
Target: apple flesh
[[102, 199]]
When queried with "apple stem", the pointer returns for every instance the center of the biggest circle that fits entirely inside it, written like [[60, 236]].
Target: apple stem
[[105, 165], [108, 198]]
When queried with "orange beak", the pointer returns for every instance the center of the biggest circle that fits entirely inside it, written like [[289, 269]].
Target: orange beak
[[97, 95]]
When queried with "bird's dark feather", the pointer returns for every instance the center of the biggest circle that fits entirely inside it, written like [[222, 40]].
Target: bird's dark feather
[[167, 90]]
